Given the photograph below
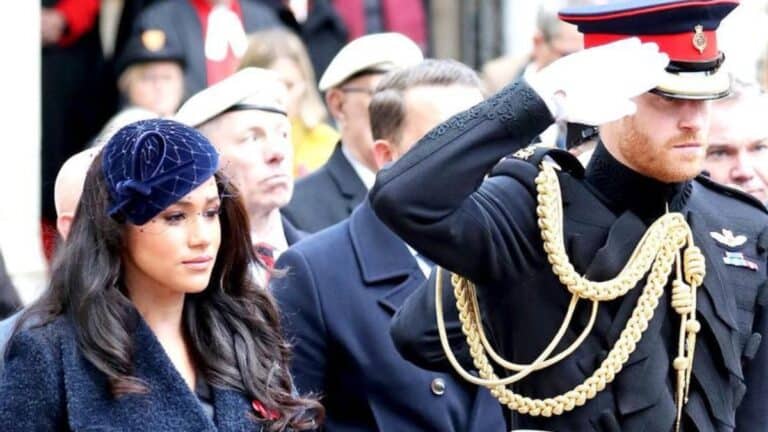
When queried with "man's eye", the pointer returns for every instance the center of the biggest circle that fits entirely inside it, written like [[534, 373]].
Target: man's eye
[[717, 154], [760, 148]]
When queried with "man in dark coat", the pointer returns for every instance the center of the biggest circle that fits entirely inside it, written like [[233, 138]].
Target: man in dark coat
[[652, 146], [329, 195], [344, 283]]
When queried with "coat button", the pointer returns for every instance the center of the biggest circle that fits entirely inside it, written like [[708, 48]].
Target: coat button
[[438, 386]]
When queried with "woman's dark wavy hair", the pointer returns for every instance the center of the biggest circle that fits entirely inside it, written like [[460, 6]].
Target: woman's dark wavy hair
[[232, 327]]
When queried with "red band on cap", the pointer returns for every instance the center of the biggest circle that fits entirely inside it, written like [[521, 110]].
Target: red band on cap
[[679, 47], [577, 18]]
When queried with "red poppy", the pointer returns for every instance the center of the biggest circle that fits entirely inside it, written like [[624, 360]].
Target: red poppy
[[264, 412]]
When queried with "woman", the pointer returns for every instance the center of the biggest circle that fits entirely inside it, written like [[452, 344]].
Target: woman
[[151, 320], [283, 52]]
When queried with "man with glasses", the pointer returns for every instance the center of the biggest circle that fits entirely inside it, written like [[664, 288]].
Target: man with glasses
[[329, 195]]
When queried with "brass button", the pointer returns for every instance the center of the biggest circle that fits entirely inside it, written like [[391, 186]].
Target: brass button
[[438, 386]]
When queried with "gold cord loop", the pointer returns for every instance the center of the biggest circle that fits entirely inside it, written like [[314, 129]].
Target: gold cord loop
[[656, 252]]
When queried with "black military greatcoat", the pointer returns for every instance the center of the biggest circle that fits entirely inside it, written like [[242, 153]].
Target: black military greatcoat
[[438, 198]]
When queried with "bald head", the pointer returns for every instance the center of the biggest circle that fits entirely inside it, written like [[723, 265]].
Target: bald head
[[69, 187]]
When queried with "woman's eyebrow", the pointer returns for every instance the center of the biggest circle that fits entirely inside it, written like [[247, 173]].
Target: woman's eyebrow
[[185, 202]]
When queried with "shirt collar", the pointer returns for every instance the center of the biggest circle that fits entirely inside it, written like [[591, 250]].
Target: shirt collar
[[367, 176], [424, 266]]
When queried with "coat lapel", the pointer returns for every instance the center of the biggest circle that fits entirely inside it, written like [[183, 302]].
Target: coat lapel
[[632, 390], [589, 222], [154, 366], [714, 283], [292, 234], [168, 405], [715, 306], [347, 181], [383, 257]]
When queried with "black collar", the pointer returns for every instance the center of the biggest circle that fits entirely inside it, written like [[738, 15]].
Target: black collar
[[622, 189]]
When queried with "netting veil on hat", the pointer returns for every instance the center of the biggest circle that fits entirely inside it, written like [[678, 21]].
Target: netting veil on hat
[[150, 164]]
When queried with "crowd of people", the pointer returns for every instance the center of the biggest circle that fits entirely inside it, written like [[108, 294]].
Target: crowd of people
[[298, 221]]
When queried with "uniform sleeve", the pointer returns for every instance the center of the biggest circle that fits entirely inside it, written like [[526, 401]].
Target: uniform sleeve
[[30, 387], [436, 199], [752, 413], [414, 328], [302, 320]]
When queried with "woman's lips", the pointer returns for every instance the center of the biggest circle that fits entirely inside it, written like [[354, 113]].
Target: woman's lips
[[199, 263]]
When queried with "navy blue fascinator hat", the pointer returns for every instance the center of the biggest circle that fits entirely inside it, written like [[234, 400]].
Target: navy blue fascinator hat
[[150, 164]]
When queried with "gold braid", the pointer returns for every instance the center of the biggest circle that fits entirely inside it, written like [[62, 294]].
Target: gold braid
[[657, 251]]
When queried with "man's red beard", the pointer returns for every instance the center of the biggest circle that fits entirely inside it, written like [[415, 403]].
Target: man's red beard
[[658, 162]]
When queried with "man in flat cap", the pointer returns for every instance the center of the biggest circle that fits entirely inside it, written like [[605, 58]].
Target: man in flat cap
[[628, 296], [329, 195], [244, 117]]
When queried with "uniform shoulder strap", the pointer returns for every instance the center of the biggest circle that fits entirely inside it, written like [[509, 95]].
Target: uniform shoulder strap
[[535, 154], [707, 182]]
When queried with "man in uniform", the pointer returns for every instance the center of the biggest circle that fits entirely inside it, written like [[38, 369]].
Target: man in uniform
[[653, 112]]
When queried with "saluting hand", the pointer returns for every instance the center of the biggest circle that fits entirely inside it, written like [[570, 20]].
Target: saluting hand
[[596, 85]]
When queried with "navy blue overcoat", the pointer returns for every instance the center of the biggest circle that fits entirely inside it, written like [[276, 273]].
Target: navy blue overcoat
[[48, 385], [342, 287]]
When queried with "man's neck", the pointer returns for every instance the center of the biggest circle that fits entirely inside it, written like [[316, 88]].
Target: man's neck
[[623, 188], [268, 228]]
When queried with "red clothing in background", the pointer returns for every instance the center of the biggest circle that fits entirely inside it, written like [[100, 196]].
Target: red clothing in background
[[217, 70], [80, 16], [402, 16]]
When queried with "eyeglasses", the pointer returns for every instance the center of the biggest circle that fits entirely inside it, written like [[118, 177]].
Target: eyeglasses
[[353, 89]]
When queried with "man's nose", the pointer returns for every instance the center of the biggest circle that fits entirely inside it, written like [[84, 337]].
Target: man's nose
[[694, 115], [743, 170]]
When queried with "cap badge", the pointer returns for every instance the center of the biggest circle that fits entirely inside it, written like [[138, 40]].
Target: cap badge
[[727, 239], [153, 40], [699, 38]]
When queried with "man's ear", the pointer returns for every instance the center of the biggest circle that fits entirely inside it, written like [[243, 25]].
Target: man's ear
[[383, 153], [334, 99]]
